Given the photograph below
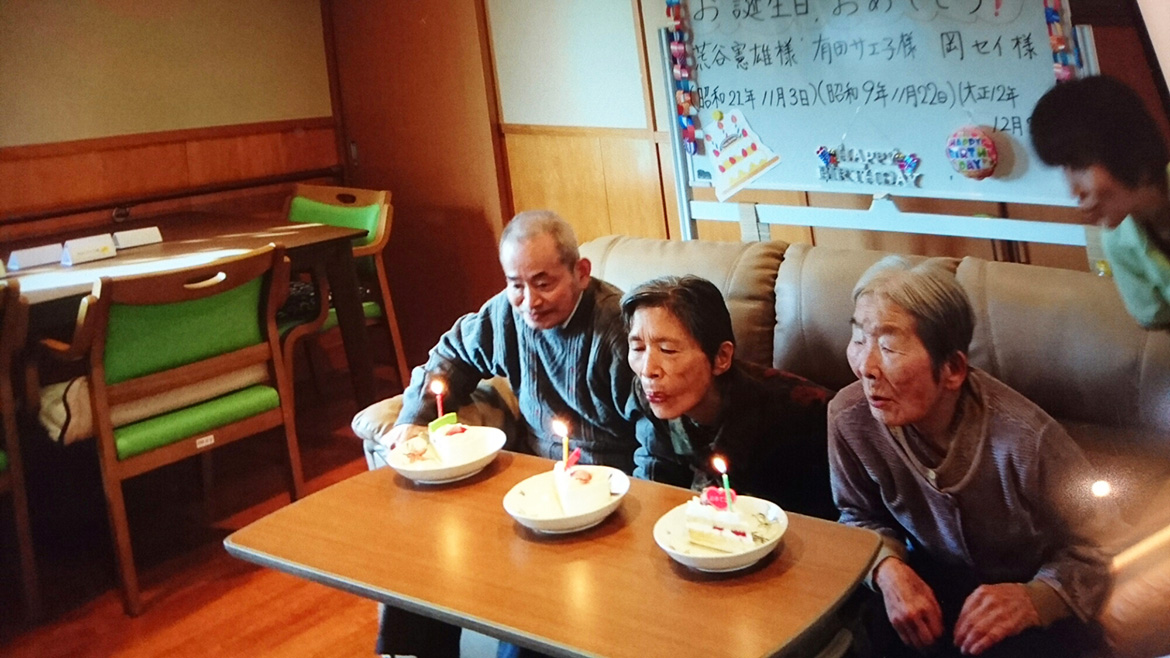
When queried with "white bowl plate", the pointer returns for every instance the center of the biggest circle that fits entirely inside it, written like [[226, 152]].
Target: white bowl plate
[[485, 444], [670, 532], [534, 504]]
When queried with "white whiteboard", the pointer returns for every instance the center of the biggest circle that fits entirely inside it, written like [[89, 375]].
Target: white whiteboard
[[880, 76]]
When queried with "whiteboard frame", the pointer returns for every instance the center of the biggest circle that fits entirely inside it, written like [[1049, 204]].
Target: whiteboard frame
[[882, 215]]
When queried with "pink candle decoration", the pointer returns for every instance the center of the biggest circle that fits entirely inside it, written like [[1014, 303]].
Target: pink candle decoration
[[720, 465], [438, 388], [561, 429]]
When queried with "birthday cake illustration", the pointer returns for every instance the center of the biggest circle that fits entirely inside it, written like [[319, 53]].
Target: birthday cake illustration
[[737, 153]]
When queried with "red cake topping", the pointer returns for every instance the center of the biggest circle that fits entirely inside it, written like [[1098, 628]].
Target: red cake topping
[[715, 497]]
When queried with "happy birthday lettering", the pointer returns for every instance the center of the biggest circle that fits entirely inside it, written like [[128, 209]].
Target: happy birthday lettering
[[871, 167]]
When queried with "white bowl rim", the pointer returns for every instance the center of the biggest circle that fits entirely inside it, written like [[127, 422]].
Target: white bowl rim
[[619, 486], [439, 473], [722, 562]]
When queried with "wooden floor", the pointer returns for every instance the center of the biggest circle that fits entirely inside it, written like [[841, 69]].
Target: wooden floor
[[198, 600]]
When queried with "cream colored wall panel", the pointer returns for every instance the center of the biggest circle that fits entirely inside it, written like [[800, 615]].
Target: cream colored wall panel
[[567, 63], [560, 173], [79, 70], [633, 192]]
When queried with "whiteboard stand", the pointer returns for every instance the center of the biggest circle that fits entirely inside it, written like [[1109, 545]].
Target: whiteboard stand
[[883, 215], [682, 188]]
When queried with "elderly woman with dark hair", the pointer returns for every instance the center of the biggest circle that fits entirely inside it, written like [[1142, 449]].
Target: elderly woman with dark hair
[[769, 425], [981, 497]]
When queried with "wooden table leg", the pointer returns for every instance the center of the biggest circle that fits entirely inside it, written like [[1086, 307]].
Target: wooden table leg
[[346, 300]]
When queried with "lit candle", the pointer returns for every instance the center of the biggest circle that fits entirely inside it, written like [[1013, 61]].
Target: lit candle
[[438, 388], [561, 429], [720, 465]]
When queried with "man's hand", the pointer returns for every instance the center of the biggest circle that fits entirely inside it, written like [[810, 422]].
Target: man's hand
[[399, 434], [910, 604], [992, 613]]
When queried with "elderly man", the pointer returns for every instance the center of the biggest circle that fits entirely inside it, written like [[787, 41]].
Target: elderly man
[[981, 497], [557, 336]]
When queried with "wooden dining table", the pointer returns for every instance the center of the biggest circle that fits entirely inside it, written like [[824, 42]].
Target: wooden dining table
[[452, 553], [196, 237]]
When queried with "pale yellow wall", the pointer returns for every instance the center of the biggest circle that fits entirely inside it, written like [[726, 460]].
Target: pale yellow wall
[[79, 69]]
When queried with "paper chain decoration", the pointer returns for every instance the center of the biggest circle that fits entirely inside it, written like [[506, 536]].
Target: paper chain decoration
[[684, 87]]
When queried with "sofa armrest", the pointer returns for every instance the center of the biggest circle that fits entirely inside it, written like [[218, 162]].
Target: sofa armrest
[[1134, 616]]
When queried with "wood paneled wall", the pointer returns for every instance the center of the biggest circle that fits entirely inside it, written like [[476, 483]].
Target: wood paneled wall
[[601, 180], [607, 181], [51, 176]]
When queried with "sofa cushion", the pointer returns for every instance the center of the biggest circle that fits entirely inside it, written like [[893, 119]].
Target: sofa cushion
[[744, 272], [1064, 340]]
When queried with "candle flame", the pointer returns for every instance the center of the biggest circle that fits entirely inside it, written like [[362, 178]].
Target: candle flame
[[560, 428], [719, 463], [438, 387], [1101, 488]]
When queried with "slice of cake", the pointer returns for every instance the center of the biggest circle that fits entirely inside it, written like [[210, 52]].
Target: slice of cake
[[711, 522], [579, 490], [446, 441], [451, 440]]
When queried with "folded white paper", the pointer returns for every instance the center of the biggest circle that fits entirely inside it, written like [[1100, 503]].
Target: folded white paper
[[25, 258], [137, 237], [93, 247]]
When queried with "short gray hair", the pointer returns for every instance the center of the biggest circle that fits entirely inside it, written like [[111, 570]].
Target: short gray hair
[[928, 291], [532, 223]]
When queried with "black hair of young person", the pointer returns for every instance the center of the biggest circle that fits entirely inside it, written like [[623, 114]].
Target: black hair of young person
[[1099, 120]]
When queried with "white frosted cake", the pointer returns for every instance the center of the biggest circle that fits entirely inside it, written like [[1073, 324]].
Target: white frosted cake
[[579, 490], [446, 441], [711, 522]]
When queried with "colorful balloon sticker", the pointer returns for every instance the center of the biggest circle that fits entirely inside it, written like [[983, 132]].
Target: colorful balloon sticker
[[972, 152]]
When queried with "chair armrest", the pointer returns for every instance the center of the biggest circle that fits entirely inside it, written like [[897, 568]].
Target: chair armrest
[[82, 335]]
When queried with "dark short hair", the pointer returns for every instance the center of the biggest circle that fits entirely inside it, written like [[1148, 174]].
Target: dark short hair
[[695, 301], [1099, 120]]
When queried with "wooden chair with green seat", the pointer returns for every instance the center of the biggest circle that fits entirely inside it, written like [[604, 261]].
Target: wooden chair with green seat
[[352, 208], [205, 335], [13, 330]]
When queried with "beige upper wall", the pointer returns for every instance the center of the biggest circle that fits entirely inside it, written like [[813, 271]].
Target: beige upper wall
[[567, 62], [80, 69]]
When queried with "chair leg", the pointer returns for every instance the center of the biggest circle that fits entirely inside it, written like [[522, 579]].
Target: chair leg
[[392, 321], [207, 485], [124, 553], [28, 564], [284, 385]]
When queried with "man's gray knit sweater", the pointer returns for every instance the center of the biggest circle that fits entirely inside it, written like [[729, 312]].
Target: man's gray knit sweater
[[577, 372]]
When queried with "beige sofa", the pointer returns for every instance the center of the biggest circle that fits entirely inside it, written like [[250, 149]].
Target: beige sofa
[[1062, 338]]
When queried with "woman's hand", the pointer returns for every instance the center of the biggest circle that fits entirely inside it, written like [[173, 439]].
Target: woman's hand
[[910, 604], [992, 613]]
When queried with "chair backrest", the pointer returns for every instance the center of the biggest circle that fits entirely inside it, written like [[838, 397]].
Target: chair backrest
[[345, 206], [165, 330]]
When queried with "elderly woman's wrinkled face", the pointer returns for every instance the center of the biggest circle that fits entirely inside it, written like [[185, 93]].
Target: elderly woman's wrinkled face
[[676, 374], [892, 363]]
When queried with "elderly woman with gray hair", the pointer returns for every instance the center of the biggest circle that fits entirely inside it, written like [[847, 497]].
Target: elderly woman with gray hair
[[981, 497]]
